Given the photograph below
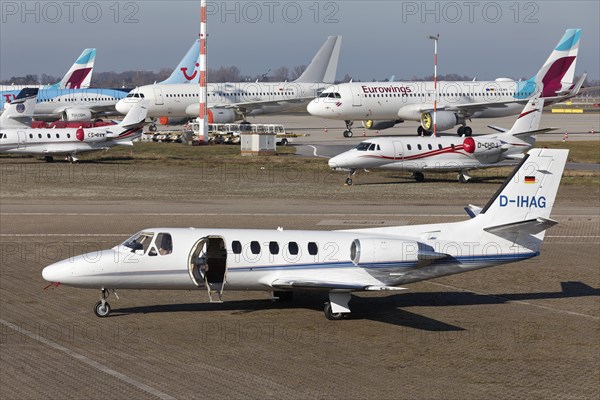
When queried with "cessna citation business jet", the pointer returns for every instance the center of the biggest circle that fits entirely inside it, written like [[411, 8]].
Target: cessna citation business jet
[[509, 228], [382, 105], [230, 102], [17, 137], [445, 153]]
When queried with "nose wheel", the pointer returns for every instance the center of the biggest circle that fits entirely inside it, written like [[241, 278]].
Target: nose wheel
[[349, 178], [348, 132], [102, 308]]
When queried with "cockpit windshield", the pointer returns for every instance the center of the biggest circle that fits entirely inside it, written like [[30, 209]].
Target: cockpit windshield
[[364, 146], [140, 242], [330, 95], [136, 95]]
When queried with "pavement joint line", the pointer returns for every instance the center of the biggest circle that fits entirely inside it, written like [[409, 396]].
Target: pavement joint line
[[254, 215], [94, 364], [517, 301]]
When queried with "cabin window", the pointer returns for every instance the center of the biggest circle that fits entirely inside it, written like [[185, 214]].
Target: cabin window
[[274, 247], [419, 147], [48, 136], [30, 136], [58, 136], [293, 248], [378, 148], [439, 146], [236, 247], [429, 146], [255, 247], [69, 135], [164, 242], [409, 147], [313, 249], [452, 145], [39, 135]]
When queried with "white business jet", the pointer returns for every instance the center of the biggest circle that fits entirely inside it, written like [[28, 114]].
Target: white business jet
[[445, 153], [509, 228], [17, 136]]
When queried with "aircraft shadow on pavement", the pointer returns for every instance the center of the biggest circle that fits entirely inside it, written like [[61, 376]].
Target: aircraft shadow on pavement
[[390, 309], [402, 180]]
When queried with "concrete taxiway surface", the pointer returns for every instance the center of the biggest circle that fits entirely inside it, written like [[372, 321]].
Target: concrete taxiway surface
[[520, 330]]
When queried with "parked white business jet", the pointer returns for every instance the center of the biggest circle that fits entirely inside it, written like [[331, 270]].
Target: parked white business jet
[[509, 228], [445, 153], [17, 137], [230, 102], [382, 105]]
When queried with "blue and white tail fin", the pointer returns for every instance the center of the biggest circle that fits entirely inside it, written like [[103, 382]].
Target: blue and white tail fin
[[18, 114], [187, 69], [79, 75], [520, 210], [323, 66], [557, 74]]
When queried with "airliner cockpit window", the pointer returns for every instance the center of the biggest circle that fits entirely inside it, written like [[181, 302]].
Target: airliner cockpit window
[[364, 146], [140, 242]]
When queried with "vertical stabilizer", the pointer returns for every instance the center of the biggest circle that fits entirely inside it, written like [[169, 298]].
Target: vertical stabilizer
[[186, 71], [323, 66], [79, 75], [18, 114]]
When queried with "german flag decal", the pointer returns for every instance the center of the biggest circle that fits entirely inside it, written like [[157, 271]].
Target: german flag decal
[[530, 179]]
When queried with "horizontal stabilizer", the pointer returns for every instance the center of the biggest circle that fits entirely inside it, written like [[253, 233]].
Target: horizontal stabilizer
[[535, 132], [531, 227], [497, 128], [472, 210]]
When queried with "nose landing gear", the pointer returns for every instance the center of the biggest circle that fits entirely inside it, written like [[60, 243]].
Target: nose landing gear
[[102, 308]]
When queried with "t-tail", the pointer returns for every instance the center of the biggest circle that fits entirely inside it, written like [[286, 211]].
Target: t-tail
[[132, 125], [187, 69], [520, 210], [323, 66], [19, 113], [556, 77], [79, 75]]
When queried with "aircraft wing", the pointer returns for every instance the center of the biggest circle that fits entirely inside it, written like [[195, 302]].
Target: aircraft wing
[[328, 286], [249, 106]]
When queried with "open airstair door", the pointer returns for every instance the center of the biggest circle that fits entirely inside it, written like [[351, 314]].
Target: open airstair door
[[207, 265]]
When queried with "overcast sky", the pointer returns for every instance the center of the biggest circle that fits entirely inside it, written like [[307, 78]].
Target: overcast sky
[[485, 39]]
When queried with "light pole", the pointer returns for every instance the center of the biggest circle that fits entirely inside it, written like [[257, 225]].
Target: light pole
[[203, 113], [435, 96]]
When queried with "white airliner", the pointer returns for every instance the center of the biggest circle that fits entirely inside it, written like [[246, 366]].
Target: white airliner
[[83, 105], [445, 154], [509, 228], [382, 105], [17, 137], [230, 102]]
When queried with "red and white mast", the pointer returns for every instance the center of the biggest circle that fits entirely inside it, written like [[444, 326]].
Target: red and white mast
[[435, 58], [203, 114]]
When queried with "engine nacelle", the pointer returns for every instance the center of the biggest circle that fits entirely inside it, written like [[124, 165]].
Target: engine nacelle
[[445, 120], [486, 147], [215, 115], [173, 121], [76, 114], [367, 251], [380, 125], [90, 135]]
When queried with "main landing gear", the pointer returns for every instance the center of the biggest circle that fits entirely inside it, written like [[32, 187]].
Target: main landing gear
[[463, 177], [72, 158], [49, 159], [464, 131], [418, 176], [348, 132], [102, 308], [337, 305]]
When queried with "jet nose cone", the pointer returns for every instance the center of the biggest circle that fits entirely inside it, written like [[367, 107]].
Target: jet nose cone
[[315, 108], [54, 272], [123, 107], [333, 163]]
